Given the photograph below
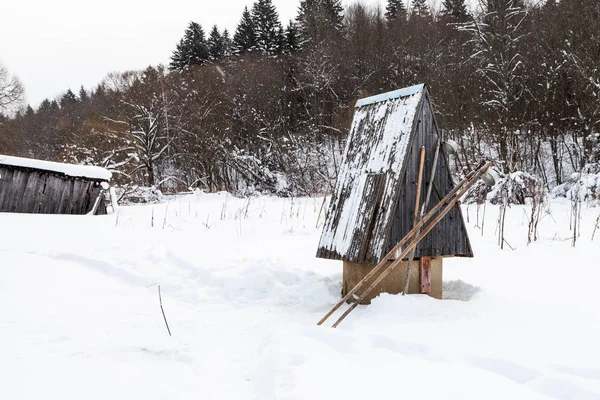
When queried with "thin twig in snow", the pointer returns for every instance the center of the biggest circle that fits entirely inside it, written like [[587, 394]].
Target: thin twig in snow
[[163, 311]]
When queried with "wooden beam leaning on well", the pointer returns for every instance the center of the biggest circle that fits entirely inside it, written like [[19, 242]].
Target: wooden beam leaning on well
[[402, 242], [416, 241], [471, 178]]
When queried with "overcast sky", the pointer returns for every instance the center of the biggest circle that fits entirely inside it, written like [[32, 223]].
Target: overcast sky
[[55, 45]]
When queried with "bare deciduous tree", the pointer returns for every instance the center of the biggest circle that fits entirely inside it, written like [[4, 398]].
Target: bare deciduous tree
[[11, 91]]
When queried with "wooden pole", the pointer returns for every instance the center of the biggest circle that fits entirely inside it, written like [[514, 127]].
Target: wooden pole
[[423, 209], [412, 245], [415, 218], [320, 211], [406, 238]]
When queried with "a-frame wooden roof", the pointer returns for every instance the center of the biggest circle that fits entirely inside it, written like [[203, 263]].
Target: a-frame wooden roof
[[374, 196]]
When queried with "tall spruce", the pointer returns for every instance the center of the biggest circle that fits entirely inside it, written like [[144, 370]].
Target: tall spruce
[[395, 10], [83, 95], [319, 20], [456, 9], [420, 9], [227, 43], [68, 99], [281, 38], [267, 25], [292, 37], [216, 45], [191, 50], [334, 13], [244, 38]]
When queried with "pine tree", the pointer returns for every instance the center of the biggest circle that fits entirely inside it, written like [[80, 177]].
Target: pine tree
[[244, 38], [455, 8], [191, 50], [227, 43], [83, 95], [281, 39], [292, 38], [395, 10], [68, 99], [318, 19], [266, 22], [420, 9], [334, 13], [216, 45]]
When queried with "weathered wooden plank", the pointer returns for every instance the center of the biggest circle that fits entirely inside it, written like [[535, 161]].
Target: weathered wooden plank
[[425, 273], [372, 195]]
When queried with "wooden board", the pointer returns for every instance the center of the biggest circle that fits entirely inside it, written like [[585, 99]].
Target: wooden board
[[425, 272]]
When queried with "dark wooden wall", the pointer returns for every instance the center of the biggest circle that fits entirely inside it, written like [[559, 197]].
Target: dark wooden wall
[[27, 190], [449, 236]]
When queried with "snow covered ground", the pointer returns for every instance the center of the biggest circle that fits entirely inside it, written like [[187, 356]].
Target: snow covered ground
[[242, 292]]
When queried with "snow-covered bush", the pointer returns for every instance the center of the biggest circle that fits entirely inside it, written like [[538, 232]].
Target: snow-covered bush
[[584, 186], [516, 186], [127, 195]]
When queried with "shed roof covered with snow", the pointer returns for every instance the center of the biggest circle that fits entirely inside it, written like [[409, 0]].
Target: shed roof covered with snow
[[372, 206], [82, 171]]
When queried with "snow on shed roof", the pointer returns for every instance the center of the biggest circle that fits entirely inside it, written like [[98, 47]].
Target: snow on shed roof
[[408, 91], [370, 175], [73, 170]]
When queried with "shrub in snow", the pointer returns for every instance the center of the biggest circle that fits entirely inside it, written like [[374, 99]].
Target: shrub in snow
[[517, 186], [584, 186], [128, 195]]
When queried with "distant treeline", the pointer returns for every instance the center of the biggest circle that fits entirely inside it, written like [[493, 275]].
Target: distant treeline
[[269, 106]]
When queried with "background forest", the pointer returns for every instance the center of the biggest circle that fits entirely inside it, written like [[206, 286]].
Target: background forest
[[268, 107]]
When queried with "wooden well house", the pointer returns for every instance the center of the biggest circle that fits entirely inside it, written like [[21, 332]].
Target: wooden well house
[[44, 187], [373, 205]]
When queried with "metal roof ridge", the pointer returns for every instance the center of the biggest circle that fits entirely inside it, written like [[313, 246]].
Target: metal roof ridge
[[404, 92]]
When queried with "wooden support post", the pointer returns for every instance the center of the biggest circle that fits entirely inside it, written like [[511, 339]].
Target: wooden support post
[[415, 219], [425, 269]]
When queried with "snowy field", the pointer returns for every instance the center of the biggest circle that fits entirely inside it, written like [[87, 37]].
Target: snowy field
[[242, 292]]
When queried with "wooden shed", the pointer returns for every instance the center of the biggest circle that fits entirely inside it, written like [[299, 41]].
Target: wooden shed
[[372, 207], [44, 187]]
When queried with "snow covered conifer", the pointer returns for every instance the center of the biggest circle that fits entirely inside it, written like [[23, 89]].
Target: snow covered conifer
[[68, 99], [292, 38], [244, 38], [267, 25], [191, 50], [216, 46], [281, 37], [227, 43], [395, 10], [420, 9], [334, 13], [318, 19], [83, 95], [455, 8]]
